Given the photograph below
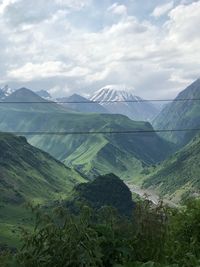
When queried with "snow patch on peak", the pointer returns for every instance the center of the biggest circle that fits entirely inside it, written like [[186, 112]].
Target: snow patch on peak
[[5, 91], [124, 102], [110, 93]]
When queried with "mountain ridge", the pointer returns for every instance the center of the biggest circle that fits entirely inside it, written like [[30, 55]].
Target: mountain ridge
[[125, 103], [79, 105], [93, 153], [178, 176], [28, 175], [19, 160], [181, 115]]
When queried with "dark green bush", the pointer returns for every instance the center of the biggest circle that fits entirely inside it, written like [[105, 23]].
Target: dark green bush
[[154, 237]]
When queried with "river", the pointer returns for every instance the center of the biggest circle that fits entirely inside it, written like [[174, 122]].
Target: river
[[150, 195]]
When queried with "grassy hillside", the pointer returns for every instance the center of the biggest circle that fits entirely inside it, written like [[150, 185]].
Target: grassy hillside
[[181, 115], [123, 154], [28, 174], [179, 176]]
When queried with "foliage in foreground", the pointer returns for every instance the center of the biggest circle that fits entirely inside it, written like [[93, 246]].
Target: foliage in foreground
[[154, 237]]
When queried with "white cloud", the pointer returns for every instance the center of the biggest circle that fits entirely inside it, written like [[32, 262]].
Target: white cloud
[[183, 24], [162, 9], [118, 9], [156, 60], [74, 4], [49, 69], [6, 3]]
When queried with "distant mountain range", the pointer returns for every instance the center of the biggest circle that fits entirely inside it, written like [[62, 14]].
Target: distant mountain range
[[109, 100], [91, 154], [182, 113], [125, 103], [126, 155], [77, 104], [105, 100]]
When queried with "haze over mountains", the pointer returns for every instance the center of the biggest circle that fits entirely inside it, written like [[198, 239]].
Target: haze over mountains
[[127, 155], [112, 100], [106, 100], [92, 154]]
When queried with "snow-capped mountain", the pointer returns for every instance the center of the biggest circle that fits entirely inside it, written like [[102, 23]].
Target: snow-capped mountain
[[126, 103], [5, 91]]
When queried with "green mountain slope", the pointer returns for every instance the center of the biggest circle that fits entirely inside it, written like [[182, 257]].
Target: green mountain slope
[[28, 174], [181, 115], [123, 154], [179, 176]]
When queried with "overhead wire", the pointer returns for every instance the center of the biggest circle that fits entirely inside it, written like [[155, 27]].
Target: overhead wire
[[101, 132], [100, 101]]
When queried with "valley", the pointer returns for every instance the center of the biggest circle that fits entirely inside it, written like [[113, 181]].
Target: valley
[[91, 154], [55, 147], [99, 133]]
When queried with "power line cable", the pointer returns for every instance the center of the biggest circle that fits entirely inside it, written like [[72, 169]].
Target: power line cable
[[102, 101], [102, 132]]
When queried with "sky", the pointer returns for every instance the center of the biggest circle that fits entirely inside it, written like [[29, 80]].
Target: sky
[[150, 47]]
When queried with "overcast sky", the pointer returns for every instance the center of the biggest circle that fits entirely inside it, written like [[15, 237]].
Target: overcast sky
[[68, 46]]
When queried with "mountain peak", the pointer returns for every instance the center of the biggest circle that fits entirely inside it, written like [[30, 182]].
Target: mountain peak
[[24, 95], [124, 102], [77, 104], [110, 93], [77, 97]]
